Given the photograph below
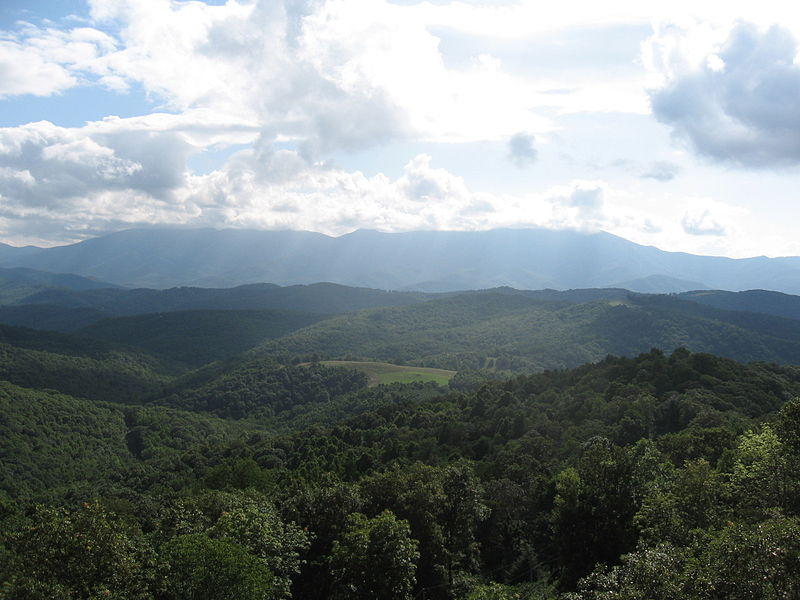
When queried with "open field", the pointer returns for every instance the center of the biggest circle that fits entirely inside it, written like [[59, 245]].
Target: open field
[[379, 372]]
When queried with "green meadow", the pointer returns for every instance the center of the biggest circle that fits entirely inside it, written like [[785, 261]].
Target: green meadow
[[379, 372]]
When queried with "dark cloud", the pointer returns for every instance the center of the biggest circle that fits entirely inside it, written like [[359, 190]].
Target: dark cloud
[[744, 110], [522, 149]]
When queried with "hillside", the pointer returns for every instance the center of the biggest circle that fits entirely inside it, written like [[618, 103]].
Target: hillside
[[18, 283], [49, 317], [196, 337], [758, 301], [422, 260], [317, 298], [563, 485], [80, 366], [516, 331], [64, 445]]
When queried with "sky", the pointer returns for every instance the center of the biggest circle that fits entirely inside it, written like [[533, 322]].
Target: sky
[[676, 126]]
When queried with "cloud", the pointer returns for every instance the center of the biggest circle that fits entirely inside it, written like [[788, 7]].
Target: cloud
[[63, 184], [581, 205], [69, 163], [662, 171], [702, 223], [330, 75], [734, 99], [522, 149], [706, 217], [46, 61], [22, 72]]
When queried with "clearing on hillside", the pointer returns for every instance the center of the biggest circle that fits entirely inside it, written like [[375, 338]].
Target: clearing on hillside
[[379, 372]]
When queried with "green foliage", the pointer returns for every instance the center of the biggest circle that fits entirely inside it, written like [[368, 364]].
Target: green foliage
[[594, 507], [263, 388], [317, 298], [502, 331], [64, 445], [743, 561], [443, 507], [197, 337], [760, 472], [656, 573], [374, 558], [55, 440], [628, 478], [111, 376], [739, 562], [86, 553], [385, 373], [683, 503], [201, 568], [242, 522]]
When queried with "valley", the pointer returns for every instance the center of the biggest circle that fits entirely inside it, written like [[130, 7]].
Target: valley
[[495, 443]]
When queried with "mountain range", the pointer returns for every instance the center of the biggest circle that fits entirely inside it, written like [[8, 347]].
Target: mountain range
[[434, 261]]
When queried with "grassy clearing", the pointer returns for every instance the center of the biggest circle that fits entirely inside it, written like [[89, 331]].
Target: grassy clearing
[[379, 372]]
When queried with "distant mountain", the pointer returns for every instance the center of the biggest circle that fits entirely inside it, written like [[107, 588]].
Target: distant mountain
[[423, 260], [51, 318], [319, 298], [17, 282], [757, 301], [660, 284]]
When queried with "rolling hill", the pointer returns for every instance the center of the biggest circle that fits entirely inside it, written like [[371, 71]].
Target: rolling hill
[[197, 337], [18, 283], [318, 298], [502, 330]]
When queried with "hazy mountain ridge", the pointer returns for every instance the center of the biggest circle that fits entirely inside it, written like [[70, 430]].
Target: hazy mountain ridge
[[421, 260], [18, 283]]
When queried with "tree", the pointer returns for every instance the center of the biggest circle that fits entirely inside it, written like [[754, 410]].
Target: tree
[[745, 561], [85, 553], [374, 559], [443, 506], [593, 511], [248, 520], [760, 473], [198, 567], [648, 574], [682, 504]]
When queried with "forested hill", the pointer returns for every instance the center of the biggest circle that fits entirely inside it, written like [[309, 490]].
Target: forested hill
[[19, 283], [508, 330], [760, 301], [593, 445], [662, 476], [319, 298]]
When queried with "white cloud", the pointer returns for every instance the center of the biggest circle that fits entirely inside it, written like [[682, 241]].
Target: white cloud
[[342, 74], [23, 72], [46, 61]]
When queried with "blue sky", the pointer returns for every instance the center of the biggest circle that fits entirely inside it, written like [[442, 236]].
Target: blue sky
[[674, 127]]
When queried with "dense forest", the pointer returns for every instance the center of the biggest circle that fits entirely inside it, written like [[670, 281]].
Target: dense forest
[[149, 458]]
